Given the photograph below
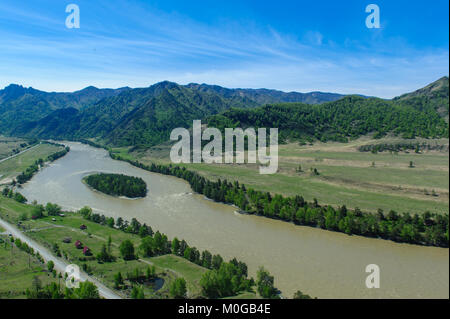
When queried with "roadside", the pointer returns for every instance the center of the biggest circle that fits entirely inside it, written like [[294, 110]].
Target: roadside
[[60, 265], [12, 156], [14, 165]]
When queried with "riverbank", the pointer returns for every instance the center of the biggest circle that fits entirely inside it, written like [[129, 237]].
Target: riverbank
[[12, 167]]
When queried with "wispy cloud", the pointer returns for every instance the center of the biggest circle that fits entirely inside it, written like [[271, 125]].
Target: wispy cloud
[[150, 46], [313, 37]]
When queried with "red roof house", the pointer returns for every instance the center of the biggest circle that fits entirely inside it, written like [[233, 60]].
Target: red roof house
[[78, 244], [86, 251]]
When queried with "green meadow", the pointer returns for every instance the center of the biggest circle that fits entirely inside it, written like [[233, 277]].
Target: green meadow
[[16, 165], [17, 270], [8, 145]]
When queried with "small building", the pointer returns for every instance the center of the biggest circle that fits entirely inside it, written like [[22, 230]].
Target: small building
[[78, 244], [86, 251]]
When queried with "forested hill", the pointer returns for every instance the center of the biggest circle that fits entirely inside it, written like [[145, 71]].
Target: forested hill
[[351, 116], [146, 116], [432, 97], [265, 96], [152, 123], [143, 116], [138, 116], [19, 104], [17, 94]]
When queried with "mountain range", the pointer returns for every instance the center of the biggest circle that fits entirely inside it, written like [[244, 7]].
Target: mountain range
[[145, 116], [116, 114]]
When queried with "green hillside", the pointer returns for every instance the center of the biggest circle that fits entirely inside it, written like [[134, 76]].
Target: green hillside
[[20, 105], [417, 115], [145, 116], [432, 97]]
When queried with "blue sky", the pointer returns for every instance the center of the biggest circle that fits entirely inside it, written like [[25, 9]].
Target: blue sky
[[287, 45]]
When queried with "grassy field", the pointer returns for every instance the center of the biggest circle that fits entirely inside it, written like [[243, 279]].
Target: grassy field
[[16, 165], [245, 295], [346, 176], [189, 271], [52, 230], [17, 270], [9, 144]]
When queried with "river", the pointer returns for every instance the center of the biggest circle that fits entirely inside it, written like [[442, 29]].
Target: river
[[320, 263]]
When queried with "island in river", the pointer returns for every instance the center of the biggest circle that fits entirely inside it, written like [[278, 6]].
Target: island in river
[[117, 184]]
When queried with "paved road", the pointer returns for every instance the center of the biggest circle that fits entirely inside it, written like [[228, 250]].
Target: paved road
[[5, 159], [60, 264]]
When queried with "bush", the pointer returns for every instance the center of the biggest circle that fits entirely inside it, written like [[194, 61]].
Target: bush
[[127, 250], [177, 289]]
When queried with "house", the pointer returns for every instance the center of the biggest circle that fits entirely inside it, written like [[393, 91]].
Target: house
[[78, 244], [86, 251]]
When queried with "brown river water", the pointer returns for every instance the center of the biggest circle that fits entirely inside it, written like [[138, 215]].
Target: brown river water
[[320, 263]]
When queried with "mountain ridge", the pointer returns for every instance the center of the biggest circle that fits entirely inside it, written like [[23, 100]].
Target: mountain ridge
[[265, 96], [145, 116], [24, 111]]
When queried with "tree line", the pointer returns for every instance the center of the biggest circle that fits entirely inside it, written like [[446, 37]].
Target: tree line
[[86, 290], [18, 197], [398, 147]]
